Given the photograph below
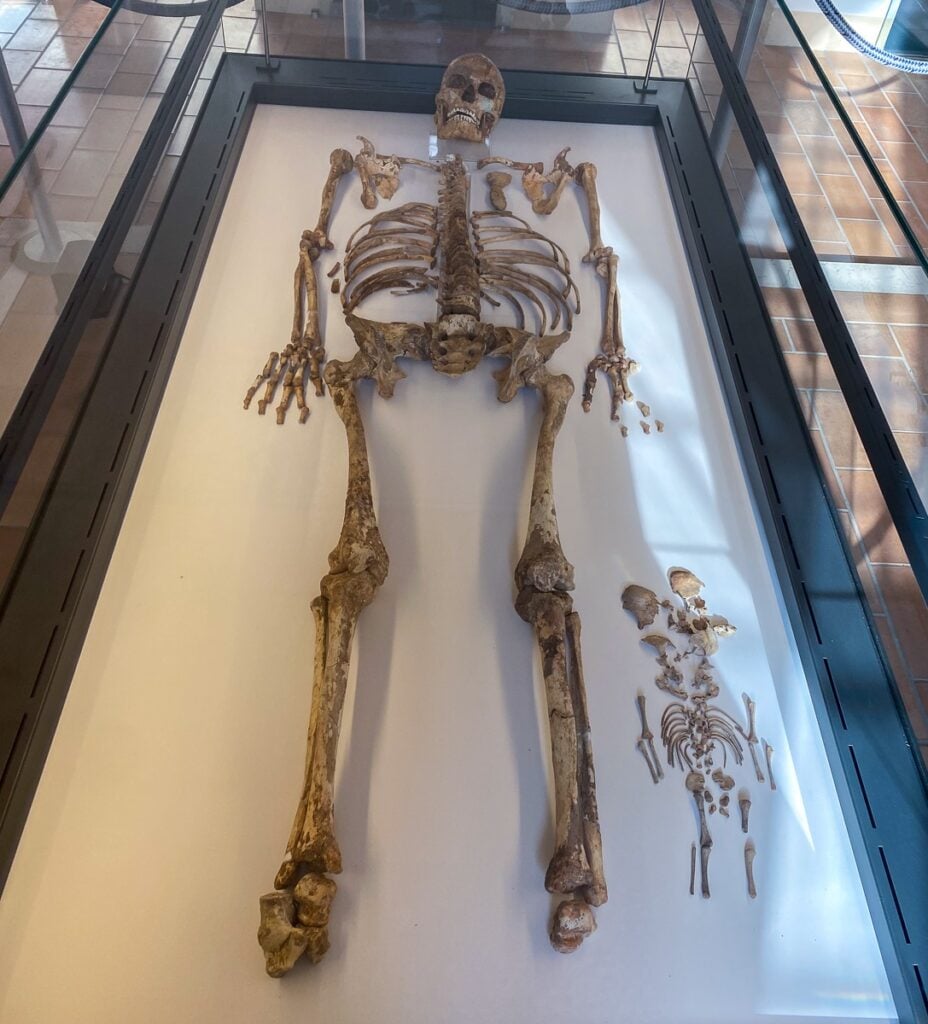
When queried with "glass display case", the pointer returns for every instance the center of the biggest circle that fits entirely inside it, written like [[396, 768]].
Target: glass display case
[[758, 808]]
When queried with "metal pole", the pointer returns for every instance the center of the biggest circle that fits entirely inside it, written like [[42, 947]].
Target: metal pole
[[745, 42], [355, 45], [267, 44], [653, 53], [16, 133]]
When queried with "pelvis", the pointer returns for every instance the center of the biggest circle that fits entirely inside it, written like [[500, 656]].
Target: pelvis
[[454, 344]]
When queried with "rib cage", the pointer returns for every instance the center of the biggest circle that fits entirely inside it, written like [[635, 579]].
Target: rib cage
[[491, 256], [394, 250], [508, 268]]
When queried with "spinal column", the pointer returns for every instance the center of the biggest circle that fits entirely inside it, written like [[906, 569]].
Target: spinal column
[[459, 291]]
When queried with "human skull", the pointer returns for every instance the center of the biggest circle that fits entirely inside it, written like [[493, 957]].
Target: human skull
[[470, 100]]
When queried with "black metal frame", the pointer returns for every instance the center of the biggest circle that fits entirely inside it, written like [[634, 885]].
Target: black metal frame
[[48, 609]]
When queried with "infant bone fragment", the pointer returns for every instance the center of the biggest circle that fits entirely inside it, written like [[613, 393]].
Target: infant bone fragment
[[744, 805], [749, 853], [646, 742], [695, 783], [768, 757], [751, 733]]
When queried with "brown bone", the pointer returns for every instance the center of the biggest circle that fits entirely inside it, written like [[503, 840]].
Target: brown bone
[[357, 567]]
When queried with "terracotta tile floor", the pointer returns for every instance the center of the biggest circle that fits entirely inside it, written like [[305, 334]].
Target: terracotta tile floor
[[98, 129], [896, 604]]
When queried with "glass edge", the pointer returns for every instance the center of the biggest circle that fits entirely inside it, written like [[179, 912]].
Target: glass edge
[[55, 105]]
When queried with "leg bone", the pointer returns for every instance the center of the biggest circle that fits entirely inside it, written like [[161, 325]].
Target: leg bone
[[358, 566], [543, 577], [695, 783], [647, 739], [768, 757], [744, 804], [751, 735], [749, 854]]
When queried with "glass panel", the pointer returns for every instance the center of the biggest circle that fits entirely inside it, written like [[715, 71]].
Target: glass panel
[[602, 43], [43, 56], [877, 321], [50, 218]]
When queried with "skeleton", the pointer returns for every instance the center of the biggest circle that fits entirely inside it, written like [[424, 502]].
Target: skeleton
[[467, 258], [695, 733]]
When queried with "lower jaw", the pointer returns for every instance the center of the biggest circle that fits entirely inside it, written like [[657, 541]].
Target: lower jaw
[[470, 132]]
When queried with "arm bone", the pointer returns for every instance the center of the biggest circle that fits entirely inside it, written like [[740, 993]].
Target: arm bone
[[306, 347]]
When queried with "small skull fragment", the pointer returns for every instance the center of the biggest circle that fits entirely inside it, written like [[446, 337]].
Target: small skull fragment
[[642, 603], [704, 637], [659, 642], [684, 583]]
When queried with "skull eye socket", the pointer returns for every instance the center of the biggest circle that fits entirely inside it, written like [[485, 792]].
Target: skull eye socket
[[487, 89], [457, 82]]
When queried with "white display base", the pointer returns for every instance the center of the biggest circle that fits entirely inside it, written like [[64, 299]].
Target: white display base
[[168, 794]]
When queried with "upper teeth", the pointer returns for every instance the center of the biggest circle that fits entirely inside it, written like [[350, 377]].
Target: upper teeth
[[460, 112]]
